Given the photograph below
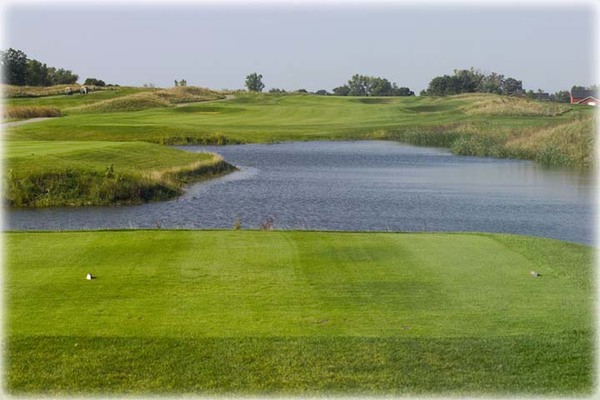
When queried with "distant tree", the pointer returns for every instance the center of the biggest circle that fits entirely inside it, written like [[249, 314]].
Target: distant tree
[[61, 76], [512, 86], [301, 91], [322, 92], [182, 82], [473, 80], [254, 82], [37, 74], [401, 91], [466, 80], [562, 96], [14, 64], [577, 87], [343, 90], [380, 87], [441, 86], [359, 85], [491, 83], [94, 82], [277, 90], [176, 83]]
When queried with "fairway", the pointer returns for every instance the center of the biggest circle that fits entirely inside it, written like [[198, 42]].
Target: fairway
[[468, 124], [252, 312]]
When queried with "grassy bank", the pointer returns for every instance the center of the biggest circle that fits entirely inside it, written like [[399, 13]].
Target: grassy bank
[[476, 124], [252, 312], [100, 173]]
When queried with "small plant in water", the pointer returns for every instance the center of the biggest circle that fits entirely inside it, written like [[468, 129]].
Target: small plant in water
[[237, 224], [267, 224]]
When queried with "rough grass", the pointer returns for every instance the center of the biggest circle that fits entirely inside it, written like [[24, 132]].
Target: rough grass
[[133, 102], [484, 125], [23, 112], [502, 105], [150, 99], [11, 91], [297, 313], [100, 173]]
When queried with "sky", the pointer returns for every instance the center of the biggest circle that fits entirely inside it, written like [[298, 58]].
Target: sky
[[547, 45]]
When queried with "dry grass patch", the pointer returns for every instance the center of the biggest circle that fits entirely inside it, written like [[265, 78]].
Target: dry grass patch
[[502, 105], [9, 91], [133, 102], [152, 99], [187, 94], [569, 144], [22, 112]]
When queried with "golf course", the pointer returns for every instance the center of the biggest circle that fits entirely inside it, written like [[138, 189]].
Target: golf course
[[296, 313], [282, 312]]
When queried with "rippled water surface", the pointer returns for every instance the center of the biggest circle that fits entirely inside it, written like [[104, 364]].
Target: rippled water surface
[[374, 185]]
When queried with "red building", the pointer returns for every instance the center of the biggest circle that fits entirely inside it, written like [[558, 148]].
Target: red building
[[589, 97]]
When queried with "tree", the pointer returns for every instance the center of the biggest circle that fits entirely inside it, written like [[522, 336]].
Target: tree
[[277, 91], [401, 91], [61, 76], [254, 82], [440, 86], [37, 74], [343, 90], [491, 83], [359, 85], [94, 82], [14, 64], [380, 87], [512, 86], [562, 96], [322, 92]]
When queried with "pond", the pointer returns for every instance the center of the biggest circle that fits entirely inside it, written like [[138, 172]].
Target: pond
[[362, 186]]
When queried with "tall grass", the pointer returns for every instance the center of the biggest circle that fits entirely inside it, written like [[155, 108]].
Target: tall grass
[[133, 102], [503, 105], [79, 186], [20, 112], [11, 91], [100, 173]]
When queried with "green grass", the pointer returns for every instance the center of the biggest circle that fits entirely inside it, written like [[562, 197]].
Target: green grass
[[98, 173], [477, 124], [300, 313]]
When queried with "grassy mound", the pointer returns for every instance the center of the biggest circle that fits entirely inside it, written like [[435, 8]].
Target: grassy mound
[[100, 173], [188, 94], [133, 102], [485, 104], [150, 99], [297, 313]]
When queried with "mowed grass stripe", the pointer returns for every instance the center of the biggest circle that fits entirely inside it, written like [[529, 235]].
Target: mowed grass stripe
[[296, 312], [201, 284], [549, 364]]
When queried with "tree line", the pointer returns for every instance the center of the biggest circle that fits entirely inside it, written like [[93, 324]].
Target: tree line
[[19, 70], [358, 85], [461, 81]]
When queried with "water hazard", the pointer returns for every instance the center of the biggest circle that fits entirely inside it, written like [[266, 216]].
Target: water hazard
[[370, 185]]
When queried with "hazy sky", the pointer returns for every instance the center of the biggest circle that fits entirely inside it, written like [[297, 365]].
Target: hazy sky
[[308, 46]]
